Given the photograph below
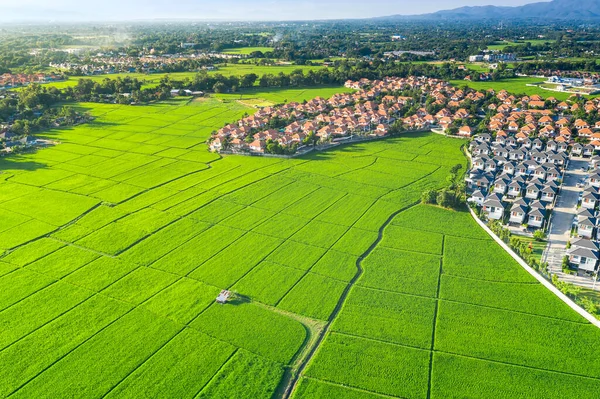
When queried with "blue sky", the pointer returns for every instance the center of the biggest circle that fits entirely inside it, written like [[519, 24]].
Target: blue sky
[[78, 10]]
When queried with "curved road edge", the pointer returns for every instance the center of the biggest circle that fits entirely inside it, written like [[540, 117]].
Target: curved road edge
[[536, 275]]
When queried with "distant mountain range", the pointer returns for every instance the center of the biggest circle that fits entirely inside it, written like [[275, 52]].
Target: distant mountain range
[[576, 10]]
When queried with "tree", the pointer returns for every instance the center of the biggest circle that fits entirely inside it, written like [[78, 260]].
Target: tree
[[453, 178], [445, 199], [539, 235], [219, 87], [311, 138], [429, 197]]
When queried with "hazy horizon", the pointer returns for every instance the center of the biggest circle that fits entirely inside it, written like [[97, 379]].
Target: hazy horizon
[[233, 10]]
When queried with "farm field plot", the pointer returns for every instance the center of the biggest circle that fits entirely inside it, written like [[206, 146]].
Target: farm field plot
[[501, 45], [150, 80], [482, 319], [118, 240], [516, 86], [269, 96], [247, 50]]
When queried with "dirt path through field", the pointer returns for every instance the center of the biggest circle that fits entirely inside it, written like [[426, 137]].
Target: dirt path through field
[[292, 384]]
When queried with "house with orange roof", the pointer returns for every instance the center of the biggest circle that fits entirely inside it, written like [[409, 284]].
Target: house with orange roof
[[257, 146], [465, 131], [581, 124], [585, 132]]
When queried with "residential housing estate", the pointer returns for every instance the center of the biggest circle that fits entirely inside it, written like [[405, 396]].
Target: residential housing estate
[[370, 111], [519, 165]]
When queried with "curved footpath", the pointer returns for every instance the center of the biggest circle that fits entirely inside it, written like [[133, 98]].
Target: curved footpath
[[293, 383], [537, 276]]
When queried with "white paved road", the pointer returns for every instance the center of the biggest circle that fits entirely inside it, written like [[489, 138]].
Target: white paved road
[[562, 221]]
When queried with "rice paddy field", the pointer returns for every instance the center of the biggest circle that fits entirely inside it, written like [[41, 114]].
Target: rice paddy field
[[516, 86], [501, 45], [262, 97], [248, 50], [151, 80], [115, 243]]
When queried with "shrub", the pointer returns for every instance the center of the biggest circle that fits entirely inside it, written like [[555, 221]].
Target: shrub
[[429, 197], [539, 235], [565, 264], [589, 305]]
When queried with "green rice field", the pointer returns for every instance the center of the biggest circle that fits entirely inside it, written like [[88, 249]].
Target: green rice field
[[115, 242], [501, 45], [248, 50], [151, 80], [516, 86], [261, 97]]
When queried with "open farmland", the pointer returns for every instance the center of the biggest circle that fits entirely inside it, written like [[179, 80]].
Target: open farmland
[[247, 50], [501, 45], [263, 97], [151, 80], [450, 317], [115, 243], [516, 86], [118, 239]]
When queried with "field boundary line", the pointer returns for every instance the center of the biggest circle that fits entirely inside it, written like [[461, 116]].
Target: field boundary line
[[203, 387], [49, 234], [31, 294], [278, 238], [357, 169], [69, 352], [313, 272], [293, 383], [215, 254], [396, 190], [437, 232], [518, 365], [48, 322], [54, 278], [381, 341], [435, 319], [179, 218], [41, 257], [514, 311], [94, 251], [536, 275], [353, 388], [192, 237], [132, 308], [410, 251], [144, 361], [365, 287], [221, 194], [465, 356], [492, 281], [306, 271]]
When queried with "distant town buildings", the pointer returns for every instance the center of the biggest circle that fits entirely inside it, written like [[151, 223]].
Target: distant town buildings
[[493, 57], [9, 80]]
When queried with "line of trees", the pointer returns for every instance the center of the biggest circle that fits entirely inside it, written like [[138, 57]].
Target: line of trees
[[451, 197]]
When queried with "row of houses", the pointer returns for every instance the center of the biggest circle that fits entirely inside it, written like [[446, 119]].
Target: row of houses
[[515, 183], [9, 80], [530, 116], [584, 252], [371, 110], [493, 57], [9, 146]]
